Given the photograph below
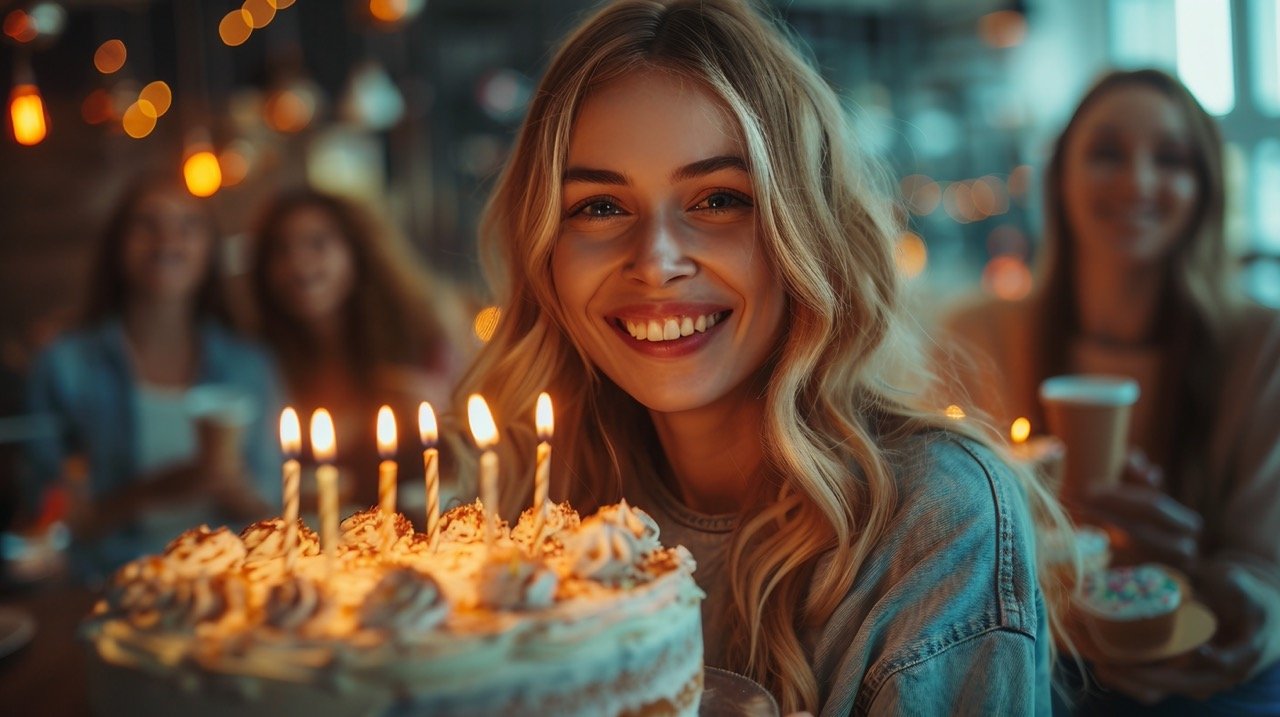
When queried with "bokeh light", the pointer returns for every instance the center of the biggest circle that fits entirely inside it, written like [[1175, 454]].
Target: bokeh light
[[157, 96], [260, 12], [1020, 181], [110, 56], [958, 201], [235, 28], [954, 412], [1007, 278], [911, 255], [486, 323], [236, 160], [139, 119], [290, 110], [19, 26], [921, 193], [1003, 28], [26, 115], [98, 107], [202, 173], [1020, 430], [280, 4]]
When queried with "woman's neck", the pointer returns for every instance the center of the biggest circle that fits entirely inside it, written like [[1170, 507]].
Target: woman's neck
[[715, 452], [1119, 305], [162, 340]]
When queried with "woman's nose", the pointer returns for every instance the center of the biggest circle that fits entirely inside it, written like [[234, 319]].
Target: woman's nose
[[1141, 176], [659, 253]]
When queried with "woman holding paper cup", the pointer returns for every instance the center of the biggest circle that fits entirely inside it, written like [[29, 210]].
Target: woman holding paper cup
[[172, 412], [697, 265], [1134, 283]]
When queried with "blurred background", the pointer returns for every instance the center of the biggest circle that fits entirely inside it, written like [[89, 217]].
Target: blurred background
[[412, 105]]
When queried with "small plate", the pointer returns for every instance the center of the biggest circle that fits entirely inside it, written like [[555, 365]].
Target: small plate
[[16, 629], [728, 694], [1193, 626]]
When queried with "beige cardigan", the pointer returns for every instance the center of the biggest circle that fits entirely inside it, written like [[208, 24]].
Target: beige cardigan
[[1241, 506]]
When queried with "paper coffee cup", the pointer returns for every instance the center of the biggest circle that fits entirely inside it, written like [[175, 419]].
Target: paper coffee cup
[[220, 414], [1090, 414]]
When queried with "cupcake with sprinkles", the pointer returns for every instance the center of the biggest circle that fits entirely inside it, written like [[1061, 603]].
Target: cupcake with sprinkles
[[1133, 607]]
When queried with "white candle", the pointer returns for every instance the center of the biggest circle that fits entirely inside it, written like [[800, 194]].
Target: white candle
[[323, 445], [387, 474], [430, 463], [544, 419], [291, 445], [485, 433]]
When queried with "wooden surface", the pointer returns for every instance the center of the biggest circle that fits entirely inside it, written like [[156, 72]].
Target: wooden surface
[[47, 677]]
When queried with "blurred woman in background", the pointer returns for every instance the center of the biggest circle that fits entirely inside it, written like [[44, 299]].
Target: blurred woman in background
[[1135, 282], [354, 321], [119, 390]]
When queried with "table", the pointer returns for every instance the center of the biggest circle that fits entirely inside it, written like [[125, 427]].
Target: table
[[48, 676]]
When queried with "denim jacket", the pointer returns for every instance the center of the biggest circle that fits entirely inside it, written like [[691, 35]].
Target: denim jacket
[[945, 615], [84, 382]]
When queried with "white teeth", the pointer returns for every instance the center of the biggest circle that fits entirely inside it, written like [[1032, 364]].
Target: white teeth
[[670, 328]]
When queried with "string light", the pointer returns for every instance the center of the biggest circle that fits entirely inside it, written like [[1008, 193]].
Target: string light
[[157, 97], [201, 170], [26, 113]]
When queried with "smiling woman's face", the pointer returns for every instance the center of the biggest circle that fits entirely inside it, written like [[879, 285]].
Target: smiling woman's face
[[1129, 182], [659, 266]]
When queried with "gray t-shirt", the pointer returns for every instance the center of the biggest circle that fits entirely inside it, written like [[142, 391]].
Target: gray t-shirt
[[944, 617]]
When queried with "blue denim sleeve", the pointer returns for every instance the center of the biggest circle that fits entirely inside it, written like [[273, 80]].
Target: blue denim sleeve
[[44, 453], [989, 674]]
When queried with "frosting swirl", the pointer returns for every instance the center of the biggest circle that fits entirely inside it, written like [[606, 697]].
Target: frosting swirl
[[404, 603], [608, 551], [201, 551], [558, 519], [509, 580], [465, 524], [264, 540], [365, 527], [292, 603]]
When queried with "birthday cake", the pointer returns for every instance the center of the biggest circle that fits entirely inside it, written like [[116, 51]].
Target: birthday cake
[[562, 615]]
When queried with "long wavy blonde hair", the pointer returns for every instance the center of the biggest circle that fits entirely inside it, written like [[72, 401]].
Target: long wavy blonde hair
[[844, 380]]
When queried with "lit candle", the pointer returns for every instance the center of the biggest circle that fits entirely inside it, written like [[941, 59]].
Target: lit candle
[[1044, 454], [291, 445], [387, 474], [430, 463], [485, 432], [544, 419], [324, 448]]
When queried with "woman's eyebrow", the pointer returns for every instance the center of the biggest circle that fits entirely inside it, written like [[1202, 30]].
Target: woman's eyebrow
[[590, 175], [709, 165], [593, 176]]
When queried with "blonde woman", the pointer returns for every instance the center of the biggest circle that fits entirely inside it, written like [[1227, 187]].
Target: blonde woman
[[697, 263], [1135, 283]]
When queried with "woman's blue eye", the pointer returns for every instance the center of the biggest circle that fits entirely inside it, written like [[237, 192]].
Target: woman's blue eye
[[601, 209], [721, 201], [597, 208]]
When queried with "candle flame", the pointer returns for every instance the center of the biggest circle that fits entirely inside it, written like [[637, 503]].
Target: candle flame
[[290, 432], [322, 440], [427, 425], [1020, 430], [482, 425], [386, 433], [544, 418]]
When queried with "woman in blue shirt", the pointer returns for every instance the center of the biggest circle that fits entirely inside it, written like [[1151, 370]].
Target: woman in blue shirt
[[117, 389]]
